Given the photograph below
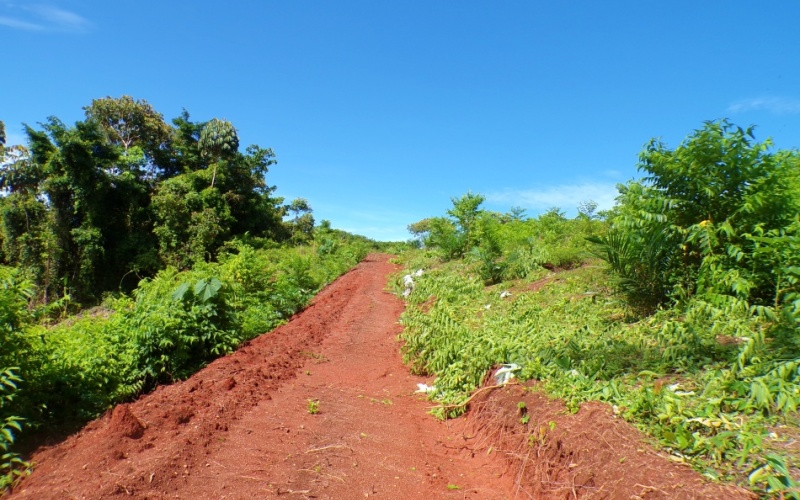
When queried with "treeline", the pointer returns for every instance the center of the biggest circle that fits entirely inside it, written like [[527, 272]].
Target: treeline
[[95, 206], [504, 246]]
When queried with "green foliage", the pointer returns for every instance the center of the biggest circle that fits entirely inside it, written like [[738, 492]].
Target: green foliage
[[178, 322], [172, 325], [704, 381], [218, 140], [775, 473], [123, 193], [302, 223], [12, 467], [130, 123], [705, 251], [508, 246], [641, 262], [78, 369], [696, 225]]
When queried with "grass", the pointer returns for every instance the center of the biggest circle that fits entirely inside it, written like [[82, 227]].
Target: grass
[[666, 373]]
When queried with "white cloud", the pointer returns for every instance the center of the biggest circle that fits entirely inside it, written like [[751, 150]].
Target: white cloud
[[40, 17], [60, 18], [778, 105], [23, 25], [564, 196]]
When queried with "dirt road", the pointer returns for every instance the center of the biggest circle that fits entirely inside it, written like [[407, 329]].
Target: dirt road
[[322, 407]]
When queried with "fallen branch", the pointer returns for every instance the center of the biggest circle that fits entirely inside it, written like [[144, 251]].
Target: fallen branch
[[465, 403]]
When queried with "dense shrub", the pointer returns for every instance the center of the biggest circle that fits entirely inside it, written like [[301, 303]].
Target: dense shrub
[[707, 219]]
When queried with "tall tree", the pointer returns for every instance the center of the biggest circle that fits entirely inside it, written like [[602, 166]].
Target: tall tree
[[138, 129], [74, 161], [218, 142], [302, 222]]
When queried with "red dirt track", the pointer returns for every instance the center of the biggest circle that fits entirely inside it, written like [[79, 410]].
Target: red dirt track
[[241, 428]]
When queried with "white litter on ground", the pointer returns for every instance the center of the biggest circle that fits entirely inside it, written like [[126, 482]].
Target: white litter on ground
[[505, 373], [504, 294], [408, 282], [425, 389]]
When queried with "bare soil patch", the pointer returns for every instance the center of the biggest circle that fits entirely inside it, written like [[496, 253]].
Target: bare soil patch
[[590, 454], [323, 407]]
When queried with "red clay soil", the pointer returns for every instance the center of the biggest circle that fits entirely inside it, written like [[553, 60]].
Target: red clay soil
[[323, 407]]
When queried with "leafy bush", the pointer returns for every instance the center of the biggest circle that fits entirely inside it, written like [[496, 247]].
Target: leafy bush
[[508, 246], [12, 467], [78, 369], [177, 323], [701, 222]]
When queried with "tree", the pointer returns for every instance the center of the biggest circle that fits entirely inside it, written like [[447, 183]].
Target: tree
[[517, 213], [128, 122], [123, 193], [75, 162], [420, 230], [195, 215], [138, 129], [465, 211], [302, 222], [218, 140]]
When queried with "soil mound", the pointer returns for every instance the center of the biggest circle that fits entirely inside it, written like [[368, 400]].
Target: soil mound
[[590, 454], [124, 424]]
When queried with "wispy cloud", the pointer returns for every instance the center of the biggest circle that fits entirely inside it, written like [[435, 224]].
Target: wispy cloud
[[60, 18], [778, 105], [21, 25], [41, 17], [563, 196]]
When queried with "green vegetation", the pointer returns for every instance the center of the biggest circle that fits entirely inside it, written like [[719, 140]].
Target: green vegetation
[[132, 253], [11, 465], [680, 307]]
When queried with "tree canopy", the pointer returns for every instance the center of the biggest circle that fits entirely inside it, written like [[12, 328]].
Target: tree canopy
[[122, 192]]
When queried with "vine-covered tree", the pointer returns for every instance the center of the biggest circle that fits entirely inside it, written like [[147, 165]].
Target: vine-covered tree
[[123, 193]]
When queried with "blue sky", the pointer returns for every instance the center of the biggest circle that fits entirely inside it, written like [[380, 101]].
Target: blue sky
[[381, 111]]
